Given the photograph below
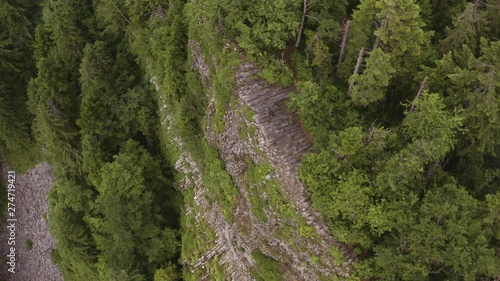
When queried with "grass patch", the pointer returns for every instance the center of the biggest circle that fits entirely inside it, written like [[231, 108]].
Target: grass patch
[[246, 131], [338, 256], [223, 83], [257, 206], [217, 180], [248, 113], [187, 122], [275, 71], [267, 268], [197, 239], [307, 231]]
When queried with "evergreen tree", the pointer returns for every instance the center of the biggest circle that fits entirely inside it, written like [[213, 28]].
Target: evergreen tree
[[399, 32], [371, 85], [16, 68], [125, 223]]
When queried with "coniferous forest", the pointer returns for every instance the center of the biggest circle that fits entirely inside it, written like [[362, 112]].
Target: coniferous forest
[[400, 101]]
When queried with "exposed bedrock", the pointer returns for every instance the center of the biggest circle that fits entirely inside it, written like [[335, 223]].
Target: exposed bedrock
[[279, 138]]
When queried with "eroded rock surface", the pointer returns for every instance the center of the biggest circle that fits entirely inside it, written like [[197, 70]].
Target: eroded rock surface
[[283, 140], [278, 137]]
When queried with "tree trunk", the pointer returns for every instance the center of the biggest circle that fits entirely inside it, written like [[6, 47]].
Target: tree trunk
[[344, 42], [301, 29], [420, 90], [356, 69]]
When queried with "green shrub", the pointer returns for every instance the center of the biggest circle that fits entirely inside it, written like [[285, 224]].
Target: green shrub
[[307, 231], [28, 244], [166, 273]]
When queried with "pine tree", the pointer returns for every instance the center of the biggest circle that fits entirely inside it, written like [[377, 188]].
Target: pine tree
[[371, 85], [16, 68], [399, 32], [464, 30], [125, 223]]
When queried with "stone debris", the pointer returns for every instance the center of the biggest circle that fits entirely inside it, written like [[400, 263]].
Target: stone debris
[[31, 210]]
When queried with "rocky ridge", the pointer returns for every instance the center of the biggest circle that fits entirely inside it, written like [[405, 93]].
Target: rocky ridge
[[279, 139]]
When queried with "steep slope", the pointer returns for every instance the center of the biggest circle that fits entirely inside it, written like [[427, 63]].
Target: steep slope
[[271, 220]]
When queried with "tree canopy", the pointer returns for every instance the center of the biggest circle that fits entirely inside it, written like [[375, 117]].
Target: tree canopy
[[399, 99]]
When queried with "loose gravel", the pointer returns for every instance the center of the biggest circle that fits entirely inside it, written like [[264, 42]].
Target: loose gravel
[[31, 205]]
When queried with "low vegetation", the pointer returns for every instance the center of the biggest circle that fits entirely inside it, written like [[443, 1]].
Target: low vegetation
[[28, 244]]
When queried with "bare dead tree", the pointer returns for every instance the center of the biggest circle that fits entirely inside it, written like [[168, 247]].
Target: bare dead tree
[[160, 12], [420, 90], [475, 14], [301, 28], [125, 18], [220, 22], [344, 41], [302, 21], [356, 69], [432, 169], [310, 46]]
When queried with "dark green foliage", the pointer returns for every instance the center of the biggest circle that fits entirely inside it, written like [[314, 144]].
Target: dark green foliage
[[125, 221], [439, 14], [470, 82], [465, 30], [95, 114], [405, 165], [319, 110], [261, 24], [16, 68], [371, 85], [115, 105], [54, 95], [76, 248], [55, 257], [445, 236], [387, 197], [493, 219], [166, 273]]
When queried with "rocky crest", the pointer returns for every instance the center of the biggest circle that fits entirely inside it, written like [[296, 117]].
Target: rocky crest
[[279, 139]]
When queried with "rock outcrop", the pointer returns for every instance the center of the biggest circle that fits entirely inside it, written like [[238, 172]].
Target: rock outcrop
[[279, 139]]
